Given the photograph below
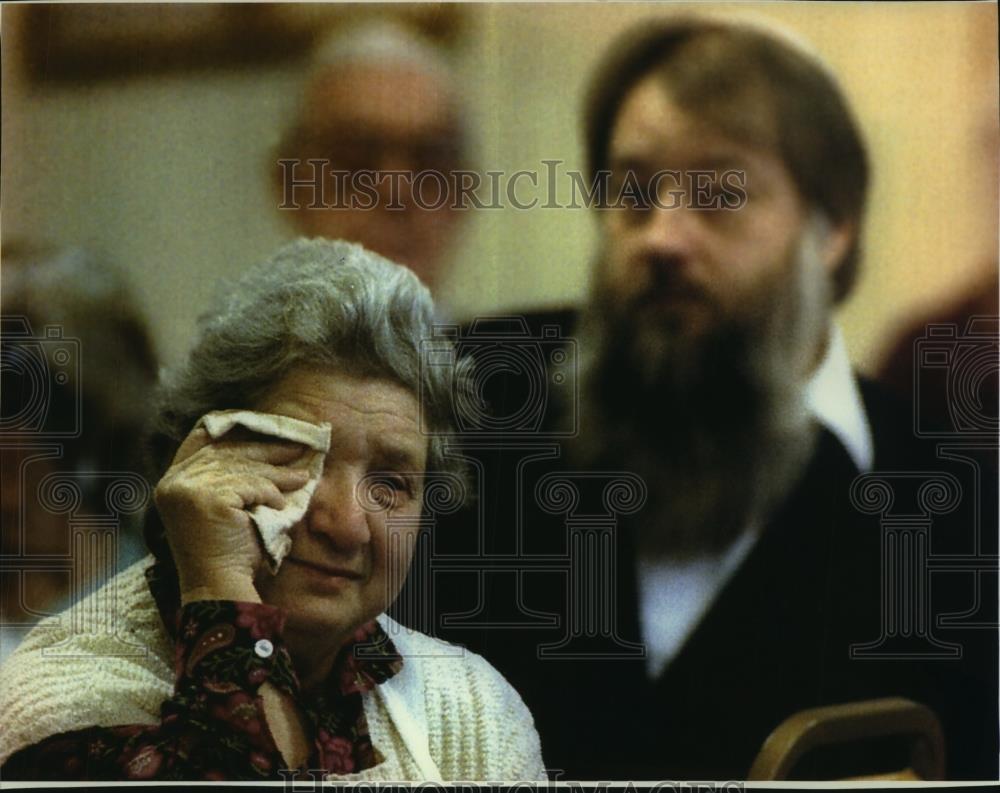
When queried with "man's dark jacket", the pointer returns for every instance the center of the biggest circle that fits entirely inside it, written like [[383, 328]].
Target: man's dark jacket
[[777, 639]]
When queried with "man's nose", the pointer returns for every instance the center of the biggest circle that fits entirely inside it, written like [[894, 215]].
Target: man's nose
[[397, 169], [336, 512], [669, 233]]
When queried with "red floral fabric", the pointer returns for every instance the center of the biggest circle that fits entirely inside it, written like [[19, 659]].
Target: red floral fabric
[[214, 725]]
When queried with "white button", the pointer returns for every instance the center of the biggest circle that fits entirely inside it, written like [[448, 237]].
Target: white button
[[263, 648]]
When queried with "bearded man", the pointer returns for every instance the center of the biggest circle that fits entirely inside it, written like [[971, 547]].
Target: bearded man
[[710, 365]]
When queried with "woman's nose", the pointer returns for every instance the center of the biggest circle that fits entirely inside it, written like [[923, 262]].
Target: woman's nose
[[336, 511]]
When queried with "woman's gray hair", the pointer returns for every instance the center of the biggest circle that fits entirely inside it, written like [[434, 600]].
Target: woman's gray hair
[[315, 303]]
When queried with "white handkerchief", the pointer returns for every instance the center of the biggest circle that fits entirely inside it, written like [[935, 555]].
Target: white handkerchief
[[273, 524]]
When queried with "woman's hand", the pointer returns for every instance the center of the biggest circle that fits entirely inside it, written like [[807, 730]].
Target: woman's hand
[[204, 500]]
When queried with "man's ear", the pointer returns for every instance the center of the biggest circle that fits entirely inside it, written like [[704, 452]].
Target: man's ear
[[277, 173], [838, 240], [294, 218]]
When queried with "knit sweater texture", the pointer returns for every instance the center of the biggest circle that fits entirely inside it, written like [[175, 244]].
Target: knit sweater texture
[[108, 661]]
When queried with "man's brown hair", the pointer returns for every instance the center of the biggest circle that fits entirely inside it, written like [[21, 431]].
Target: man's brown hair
[[753, 86]]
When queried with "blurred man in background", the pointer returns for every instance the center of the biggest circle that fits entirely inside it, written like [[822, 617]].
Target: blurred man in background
[[379, 98], [711, 366], [78, 372]]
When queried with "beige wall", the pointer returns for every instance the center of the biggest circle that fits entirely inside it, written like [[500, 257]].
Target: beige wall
[[167, 176]]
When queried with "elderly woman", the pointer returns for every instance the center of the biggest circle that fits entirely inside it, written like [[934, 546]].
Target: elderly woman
[[208, 664]]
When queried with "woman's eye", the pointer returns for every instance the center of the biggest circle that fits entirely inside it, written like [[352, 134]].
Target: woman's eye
[[389, 490], [398, 483]]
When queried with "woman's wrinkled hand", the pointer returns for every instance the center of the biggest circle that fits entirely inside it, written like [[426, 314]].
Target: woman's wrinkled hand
[[204, 500]]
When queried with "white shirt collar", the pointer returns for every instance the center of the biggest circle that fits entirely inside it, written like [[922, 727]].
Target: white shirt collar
[[834, 399]]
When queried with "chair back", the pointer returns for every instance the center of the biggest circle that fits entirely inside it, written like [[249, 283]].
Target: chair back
[[856, 722]]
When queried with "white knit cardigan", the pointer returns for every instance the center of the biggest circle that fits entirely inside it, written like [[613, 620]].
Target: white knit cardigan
[[447, 715]]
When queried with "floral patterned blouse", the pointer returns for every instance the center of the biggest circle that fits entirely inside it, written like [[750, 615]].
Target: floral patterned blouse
[[214, 726]]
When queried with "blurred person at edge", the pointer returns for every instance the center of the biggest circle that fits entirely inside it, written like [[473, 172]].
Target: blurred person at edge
[[379, 97], [72, 301], [711, 367], [234, 670]]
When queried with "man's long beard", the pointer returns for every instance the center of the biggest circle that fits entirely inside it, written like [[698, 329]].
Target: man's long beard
[[715, 424]]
